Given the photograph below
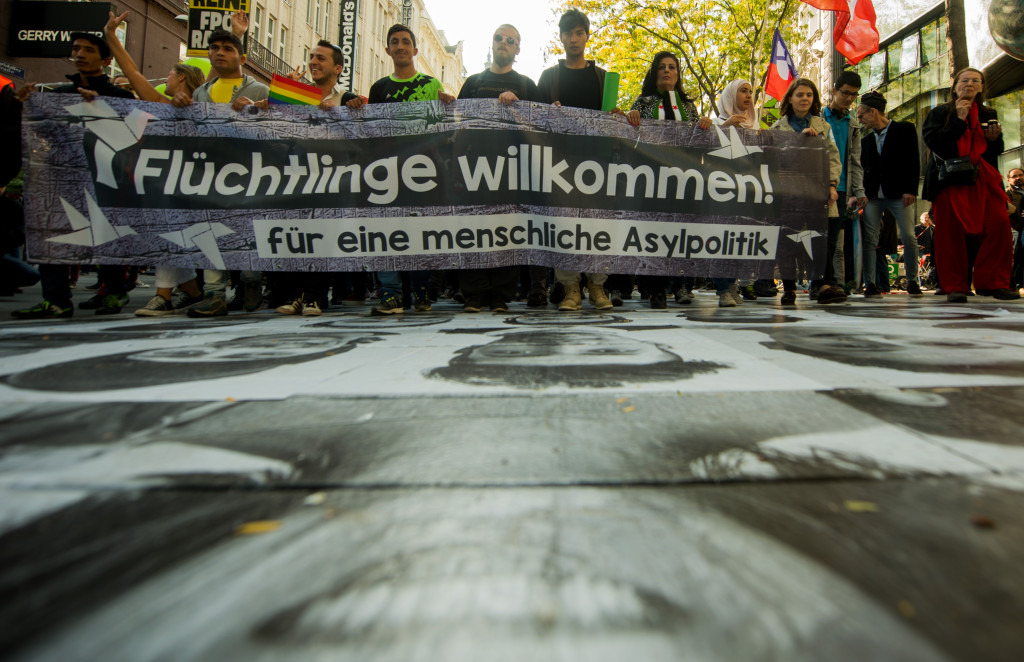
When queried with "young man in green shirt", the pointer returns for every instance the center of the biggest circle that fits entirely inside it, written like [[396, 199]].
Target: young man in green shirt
[[405, 84]]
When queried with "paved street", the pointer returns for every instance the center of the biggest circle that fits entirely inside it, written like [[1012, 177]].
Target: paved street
[[814, 483]]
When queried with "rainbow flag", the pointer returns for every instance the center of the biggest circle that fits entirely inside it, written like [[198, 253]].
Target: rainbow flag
[[286, 90]]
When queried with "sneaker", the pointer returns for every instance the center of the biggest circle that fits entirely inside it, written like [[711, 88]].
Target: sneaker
[[684, 297], [831, 294], [112, 304], [956, 297], [537, 299], [156, 307], [871, 292], [557, 294], [473, 305], [748, 293], [734, 292], [725, 300], [291, 308], [212, 305], [571, 299], [616, 298], [93, 302], [422, 303], [184, 300], [766, 289], [252, 296], [788, 298], [311, 309], [389, 305], [44, 310], [914, 289], [599, 298], [659, 301]]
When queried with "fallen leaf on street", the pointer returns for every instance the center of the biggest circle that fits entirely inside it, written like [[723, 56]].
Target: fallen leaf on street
[[861, 506], [257, 527]]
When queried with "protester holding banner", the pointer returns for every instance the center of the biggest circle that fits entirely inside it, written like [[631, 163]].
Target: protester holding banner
[[662, 97], [91, 55], [495, 287], [737, 109], [963, 182], [579, 83], [405, 84], [229, 85], [801, 112]]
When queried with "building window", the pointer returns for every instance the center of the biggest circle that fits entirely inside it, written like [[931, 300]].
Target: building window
[[327, 19], [282, 43], [316, 16], [309, 12], [271, 27], [257, 22]]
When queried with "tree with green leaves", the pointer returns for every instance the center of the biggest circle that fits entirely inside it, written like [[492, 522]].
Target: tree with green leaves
[[717, 41]]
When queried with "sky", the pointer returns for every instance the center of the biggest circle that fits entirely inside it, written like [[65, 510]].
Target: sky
[[474, 24]]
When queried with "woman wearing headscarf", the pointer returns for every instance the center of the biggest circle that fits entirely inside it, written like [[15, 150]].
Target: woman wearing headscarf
[[737, 109], [965, 127], [662, 98]]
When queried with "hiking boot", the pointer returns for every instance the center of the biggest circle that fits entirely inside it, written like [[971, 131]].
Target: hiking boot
[[558, 293], [831, 294], [537, 299], [684, 297], [291, 308], [788, 298], [389, 305], [914, 289], [212, 305], [599, 299], [571, 299], [725, 300], [748, 293], [112, 304], [311, 309], [93, 302], [252, 296], [156, 307], [44, 310], [734, 292], [616, 298], [659, 300]]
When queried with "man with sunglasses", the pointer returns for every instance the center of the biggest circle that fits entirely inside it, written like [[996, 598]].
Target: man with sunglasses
[[846, 131], [495, 287]]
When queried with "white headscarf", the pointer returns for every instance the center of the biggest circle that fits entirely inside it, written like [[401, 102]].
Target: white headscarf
[[728, 104]]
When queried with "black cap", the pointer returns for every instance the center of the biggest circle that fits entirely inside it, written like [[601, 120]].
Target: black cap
[[96, 40], [873, 100], [224, 35]]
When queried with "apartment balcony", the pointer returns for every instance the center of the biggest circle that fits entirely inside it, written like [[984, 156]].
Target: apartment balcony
[[265, 64]]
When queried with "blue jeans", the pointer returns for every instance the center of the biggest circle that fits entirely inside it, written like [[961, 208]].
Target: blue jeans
[[391, 282], [871, 225]]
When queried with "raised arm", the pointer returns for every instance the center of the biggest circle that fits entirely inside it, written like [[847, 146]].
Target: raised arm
[[143, 87]]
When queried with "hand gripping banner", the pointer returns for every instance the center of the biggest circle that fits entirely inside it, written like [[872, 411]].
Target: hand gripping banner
[[474, 184]]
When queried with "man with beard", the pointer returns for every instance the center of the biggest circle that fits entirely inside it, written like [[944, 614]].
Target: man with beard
[[495, 287]]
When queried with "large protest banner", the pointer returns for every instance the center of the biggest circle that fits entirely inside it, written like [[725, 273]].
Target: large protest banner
[[416, 186]]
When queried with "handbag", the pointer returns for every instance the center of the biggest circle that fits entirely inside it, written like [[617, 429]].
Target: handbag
[[957, 171]]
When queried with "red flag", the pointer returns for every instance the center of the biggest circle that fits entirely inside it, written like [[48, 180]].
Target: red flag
[[855, 35], [781, 70]]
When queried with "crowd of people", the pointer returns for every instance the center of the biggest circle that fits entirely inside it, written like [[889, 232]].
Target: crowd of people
[[873, 173]]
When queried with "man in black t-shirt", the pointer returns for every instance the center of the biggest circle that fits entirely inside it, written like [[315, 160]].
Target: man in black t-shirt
[[578, 82], [494, 288]]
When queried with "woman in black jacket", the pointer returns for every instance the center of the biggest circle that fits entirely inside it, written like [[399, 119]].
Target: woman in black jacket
[[965, 127]]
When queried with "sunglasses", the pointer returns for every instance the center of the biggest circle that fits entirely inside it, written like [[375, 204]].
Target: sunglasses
[[508, 40]]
